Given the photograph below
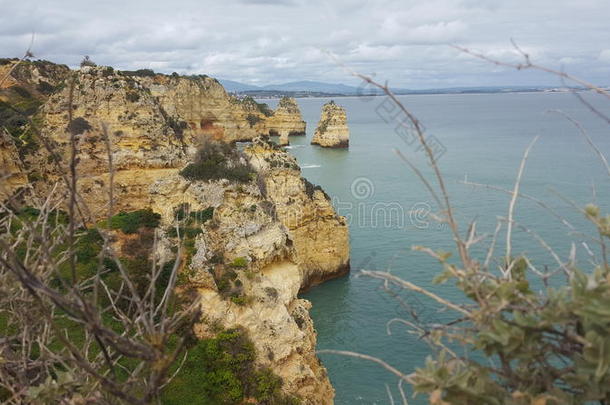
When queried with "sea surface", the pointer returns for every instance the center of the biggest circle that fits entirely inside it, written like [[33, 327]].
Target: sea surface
[[478, 138]]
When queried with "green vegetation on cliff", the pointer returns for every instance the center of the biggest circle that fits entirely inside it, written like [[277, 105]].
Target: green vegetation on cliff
[[218, 160], [222, 371], [217, 370]]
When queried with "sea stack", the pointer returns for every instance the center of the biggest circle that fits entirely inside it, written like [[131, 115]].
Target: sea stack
[[283, 141], [286, 120], [332, 130]]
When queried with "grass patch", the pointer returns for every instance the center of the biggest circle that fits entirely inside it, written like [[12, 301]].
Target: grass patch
[[239, 262]]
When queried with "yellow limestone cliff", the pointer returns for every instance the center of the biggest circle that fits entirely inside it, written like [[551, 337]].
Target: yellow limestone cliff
[[320, 236], [286, 120], [154, 124], [269, 238]]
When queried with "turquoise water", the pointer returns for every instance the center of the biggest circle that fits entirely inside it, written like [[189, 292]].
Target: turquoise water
[[484, 137]]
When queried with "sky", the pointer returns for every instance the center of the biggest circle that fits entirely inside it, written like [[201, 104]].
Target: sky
[[406, 42]]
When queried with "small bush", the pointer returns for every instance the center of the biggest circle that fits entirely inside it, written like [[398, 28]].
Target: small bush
[[218, 160], [202, 216], [6, 61], [130, 222], [263, 108], [132, 96], [217, 259], [45, 87], [177, 125], [311, 188], [78, 126], [87, 62], [139, 73], [240, 300], [253, 119], [88, 245], [108, 71], [239, 262], [186, 232], [272, 293]]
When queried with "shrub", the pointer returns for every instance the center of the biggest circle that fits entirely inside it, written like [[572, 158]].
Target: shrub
[[45, 87], [250, 104], [267, 385], [240, 262], [78, 126], [89, 245], [108, 71], [311, 188], [187, 218], [139, 73], [222, 370], [253, 119], [130, 222], [132, 96], [202, 216], [240, 300], [209, 170], [186, 232], [218, 160], [87, 62], [177, 125]]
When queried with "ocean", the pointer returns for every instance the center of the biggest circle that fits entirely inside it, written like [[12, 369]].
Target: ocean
[[479, 138]]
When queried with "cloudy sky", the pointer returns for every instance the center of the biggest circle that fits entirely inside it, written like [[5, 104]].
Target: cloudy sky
[[406, 42]]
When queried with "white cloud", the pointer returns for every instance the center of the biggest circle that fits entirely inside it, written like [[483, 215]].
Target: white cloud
[[604, 56], [264, 41]]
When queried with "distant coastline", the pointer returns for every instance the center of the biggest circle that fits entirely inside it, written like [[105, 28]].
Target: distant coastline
[[274, 94]]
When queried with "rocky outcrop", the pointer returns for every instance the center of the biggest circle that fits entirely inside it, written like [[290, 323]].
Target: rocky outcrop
[[254, 256], [320, 236], [332, 130], [286, 120], [244, 245], [40, 78], [153, 122], [200, 105], [268, 240], [25, 85]]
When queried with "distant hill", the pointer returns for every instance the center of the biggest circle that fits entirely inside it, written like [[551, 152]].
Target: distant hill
[[308, 88], [319, 87], [233, 86], [304, 86]]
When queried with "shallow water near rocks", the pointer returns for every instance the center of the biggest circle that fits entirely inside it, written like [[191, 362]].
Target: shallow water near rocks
[[483, 138]]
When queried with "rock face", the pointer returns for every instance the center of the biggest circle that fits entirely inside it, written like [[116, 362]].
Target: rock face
[[276, 234], [25, 86], [153, 122], [11, 172], [283, 141], [277, 321], [320, 236], [286, 119], [332, 130]]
